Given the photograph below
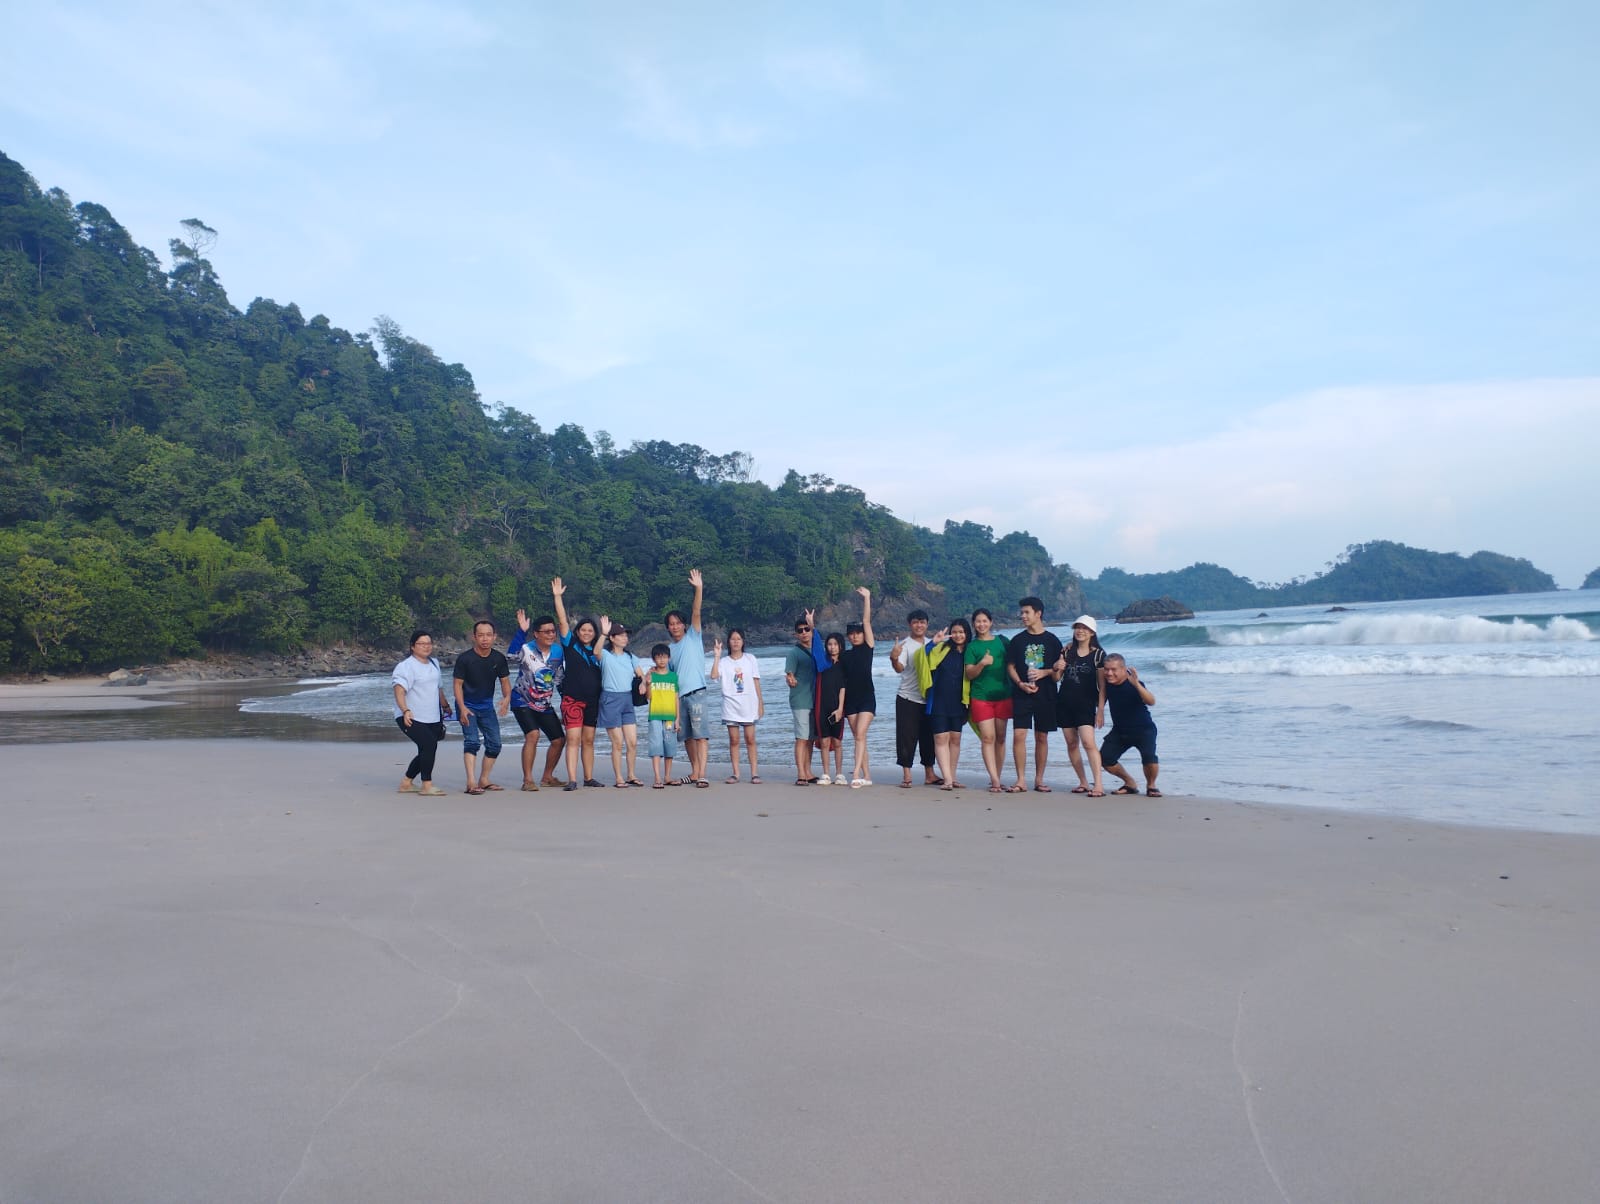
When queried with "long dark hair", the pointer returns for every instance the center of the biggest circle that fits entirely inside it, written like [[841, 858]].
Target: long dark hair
[[833, 637], [1094, 642], [965, 627]]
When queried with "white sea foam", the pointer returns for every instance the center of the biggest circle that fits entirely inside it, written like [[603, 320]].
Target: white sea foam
[[1390, 630], [1344, 664]]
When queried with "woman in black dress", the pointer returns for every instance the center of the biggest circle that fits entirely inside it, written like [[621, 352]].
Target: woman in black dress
[[860, 699], [1081, 704]]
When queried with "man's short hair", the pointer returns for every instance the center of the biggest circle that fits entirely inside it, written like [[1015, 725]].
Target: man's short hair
[[917, 614], [542, 621], [1035, 603], [801, 625], [489, 623], [1116, 656], [675, 614], [660, 650]]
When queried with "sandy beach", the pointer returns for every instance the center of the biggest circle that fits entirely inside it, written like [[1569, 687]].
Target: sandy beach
[[250, 970]]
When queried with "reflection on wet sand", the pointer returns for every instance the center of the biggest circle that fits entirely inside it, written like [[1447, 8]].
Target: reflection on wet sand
[[201, 710]]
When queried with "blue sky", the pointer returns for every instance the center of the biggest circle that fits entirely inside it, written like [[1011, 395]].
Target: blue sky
[[1230, 281]]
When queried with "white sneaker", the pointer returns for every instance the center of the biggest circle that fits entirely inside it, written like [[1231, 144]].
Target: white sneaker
[[824, 780]]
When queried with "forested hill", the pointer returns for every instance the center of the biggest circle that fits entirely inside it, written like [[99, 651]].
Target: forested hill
[[177, 475], [1379, 571]]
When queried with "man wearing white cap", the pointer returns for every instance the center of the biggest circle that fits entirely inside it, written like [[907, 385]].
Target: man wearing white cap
[[1081, 702]]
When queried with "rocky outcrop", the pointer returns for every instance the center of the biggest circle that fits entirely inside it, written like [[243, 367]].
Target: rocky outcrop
[[1154, 610]]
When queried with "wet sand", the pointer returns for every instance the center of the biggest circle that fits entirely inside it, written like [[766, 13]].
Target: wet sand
[[250, 970]]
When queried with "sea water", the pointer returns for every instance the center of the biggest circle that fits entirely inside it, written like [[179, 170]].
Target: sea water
[[1472, 710]]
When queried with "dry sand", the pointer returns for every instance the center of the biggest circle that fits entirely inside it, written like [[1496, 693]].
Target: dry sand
[[248, 970]]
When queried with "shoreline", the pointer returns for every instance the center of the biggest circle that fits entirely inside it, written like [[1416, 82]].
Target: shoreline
[[268, 976]]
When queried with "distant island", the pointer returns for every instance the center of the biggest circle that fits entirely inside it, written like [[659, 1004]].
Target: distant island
[[180, 478], [1379, 571], [1592, 581]]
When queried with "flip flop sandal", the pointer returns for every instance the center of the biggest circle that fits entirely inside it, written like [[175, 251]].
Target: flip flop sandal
[[1095, 793], [657, 786], [702, 784], [1019, 788], [530, 786], [935, 782], [996, 790], [905, 785], [1125, 790], [492, 786], [635, 782], [1152, 793], [619, 786], [408, 788], [1042, 789], [674, 783], [476, 790], [733, 781], [432, 791], [1080, 790]]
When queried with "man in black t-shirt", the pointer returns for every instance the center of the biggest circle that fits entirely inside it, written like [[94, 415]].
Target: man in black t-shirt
[[1031, 665], [477, 671]]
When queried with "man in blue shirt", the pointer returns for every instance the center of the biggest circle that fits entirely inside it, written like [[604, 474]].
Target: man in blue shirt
[[689, 663]]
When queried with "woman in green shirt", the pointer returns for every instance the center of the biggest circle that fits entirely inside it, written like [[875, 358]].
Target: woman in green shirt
[[985, 660]]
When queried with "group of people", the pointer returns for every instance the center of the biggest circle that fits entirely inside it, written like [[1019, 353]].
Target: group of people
[[573, 679], [970, 675]]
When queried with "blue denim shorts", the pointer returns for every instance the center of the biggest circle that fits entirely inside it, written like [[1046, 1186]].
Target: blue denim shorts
[[694, 716], [616, 710], [482, 726]]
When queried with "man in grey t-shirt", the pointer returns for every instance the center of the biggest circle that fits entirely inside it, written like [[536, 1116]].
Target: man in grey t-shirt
[[801, 674]]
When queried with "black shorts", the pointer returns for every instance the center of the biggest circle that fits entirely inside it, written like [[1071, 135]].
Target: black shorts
[[547, 722], [1074, 710], [1035, 711], [1118, 742]]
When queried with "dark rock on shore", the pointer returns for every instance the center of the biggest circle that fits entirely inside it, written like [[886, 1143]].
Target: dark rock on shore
[[1154, 610]]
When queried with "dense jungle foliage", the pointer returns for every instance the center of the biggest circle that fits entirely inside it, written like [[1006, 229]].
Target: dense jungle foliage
[[177, 475]]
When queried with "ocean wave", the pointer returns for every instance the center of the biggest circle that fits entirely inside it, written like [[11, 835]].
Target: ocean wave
[[1436, 725], [1390, 665], [1390, 630]]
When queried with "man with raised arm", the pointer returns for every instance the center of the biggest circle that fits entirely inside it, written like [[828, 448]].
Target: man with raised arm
[[689, 663]]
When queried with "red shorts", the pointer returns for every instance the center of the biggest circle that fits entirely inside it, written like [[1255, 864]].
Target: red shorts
[[982, 710], [576, 713]]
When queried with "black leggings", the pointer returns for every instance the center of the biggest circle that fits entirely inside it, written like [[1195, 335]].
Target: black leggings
[[426, 737]]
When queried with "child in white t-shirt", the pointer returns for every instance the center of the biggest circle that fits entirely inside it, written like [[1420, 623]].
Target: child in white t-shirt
[[742, 708]]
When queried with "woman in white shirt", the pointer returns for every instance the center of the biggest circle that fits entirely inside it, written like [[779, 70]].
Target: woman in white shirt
[[742, 707], [420, 710]]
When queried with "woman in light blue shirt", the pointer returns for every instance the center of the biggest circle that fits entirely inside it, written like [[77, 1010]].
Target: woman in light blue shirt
[[619, 669]]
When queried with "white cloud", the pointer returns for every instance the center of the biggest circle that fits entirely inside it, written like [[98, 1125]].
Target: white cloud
[[1448, 467], [661, 110], [831, 71]]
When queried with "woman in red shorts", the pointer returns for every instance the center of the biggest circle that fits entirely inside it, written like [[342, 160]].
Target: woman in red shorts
[[985, 659]]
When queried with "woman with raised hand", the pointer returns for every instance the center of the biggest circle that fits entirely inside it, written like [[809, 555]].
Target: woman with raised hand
[[619, 669], [941, 671], [860, 698], [990, 689], [742, 706], [580, 690], [420, 709]]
